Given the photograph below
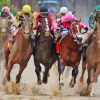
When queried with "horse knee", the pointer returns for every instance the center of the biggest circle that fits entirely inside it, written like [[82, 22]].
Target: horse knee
[[75, 72]]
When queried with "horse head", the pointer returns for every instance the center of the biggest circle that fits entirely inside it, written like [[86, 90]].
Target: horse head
[[75, 28], [5, 25], [26, 26], [45, 26]]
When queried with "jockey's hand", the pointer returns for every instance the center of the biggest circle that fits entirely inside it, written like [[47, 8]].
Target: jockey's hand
[[39, 16], [86, 29]]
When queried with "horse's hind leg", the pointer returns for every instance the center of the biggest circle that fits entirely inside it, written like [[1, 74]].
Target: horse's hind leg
[[22, 67], [38, 70]]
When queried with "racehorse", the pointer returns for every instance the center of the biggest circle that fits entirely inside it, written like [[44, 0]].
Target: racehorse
[[69, 53], [4, 31], [21, 50], [44, 51], [92, 63]]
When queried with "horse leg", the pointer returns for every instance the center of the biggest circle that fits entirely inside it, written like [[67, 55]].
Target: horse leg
[[94, 81], [74, 75], [22, 67], [83, 71], [61, 81], [9, 68], [85, 91], [46, 74], [38, 70]]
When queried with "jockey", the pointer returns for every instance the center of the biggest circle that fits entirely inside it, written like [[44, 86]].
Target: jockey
[[63, 11], [65, 24], [94, 17], [43, 13], [26, 10], [7, 14]]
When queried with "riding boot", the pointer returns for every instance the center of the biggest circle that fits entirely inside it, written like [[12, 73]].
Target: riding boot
[[56, 40]]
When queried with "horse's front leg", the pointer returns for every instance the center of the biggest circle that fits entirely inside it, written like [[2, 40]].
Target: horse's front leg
[[22, 67], [38, 70], [46, 74], [8, 70], [94, 81], [74, 75]]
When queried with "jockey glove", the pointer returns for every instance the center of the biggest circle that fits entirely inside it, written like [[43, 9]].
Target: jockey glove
[[86, 28]]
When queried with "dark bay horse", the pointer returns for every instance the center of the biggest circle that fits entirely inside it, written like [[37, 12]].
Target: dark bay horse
[[44, 51], [70, 54], [92, 64], [21, 51]]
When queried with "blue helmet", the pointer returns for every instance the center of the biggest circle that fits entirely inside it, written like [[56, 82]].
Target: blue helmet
[[43, 9]]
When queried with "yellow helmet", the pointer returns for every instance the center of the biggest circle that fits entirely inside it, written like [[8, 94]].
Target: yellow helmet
[[26, 9]]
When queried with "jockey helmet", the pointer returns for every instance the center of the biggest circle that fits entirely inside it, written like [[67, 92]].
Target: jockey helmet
[[5, 9], [44, 10], [63, 10], [26, 9], [68, 17], [98, 8]]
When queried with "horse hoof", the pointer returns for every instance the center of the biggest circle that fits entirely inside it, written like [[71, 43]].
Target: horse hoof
[[85, 92], [91, 94], [44, 82], [72, 83], [39, 82], [60, 88]]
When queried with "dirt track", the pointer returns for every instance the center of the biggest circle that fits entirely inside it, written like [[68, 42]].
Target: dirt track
[[28, 89]]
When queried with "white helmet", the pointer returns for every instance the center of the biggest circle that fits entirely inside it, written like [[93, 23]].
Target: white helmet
[[63, 10]]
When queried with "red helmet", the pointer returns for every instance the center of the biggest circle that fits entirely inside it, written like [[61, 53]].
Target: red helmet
[[5, 9]]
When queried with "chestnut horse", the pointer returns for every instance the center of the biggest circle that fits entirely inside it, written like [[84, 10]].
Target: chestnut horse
[[92, 63], [70, 54], [21, 51], [44, 51]]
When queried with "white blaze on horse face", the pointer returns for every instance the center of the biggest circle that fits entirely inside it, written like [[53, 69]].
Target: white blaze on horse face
[[78, 29], [26, 29], [47, 27]]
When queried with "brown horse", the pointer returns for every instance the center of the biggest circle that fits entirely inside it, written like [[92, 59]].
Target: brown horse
[[44, 51], [70, 54], [21, 51], [92, 63]]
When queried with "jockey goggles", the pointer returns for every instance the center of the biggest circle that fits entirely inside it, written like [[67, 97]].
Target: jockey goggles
[[44, 12], [62, 14]]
